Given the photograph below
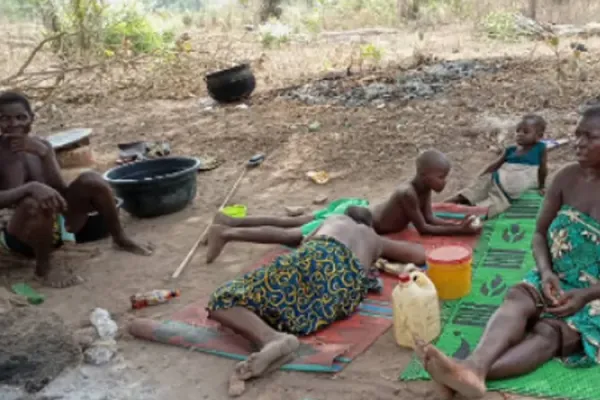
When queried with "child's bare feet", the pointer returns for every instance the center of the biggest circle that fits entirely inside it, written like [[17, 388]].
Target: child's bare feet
[[279, 348], [216, 241], [127, 244]]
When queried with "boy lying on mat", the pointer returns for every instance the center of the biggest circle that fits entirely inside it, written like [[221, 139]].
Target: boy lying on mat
[[519, 168], [320, 282], [555, 311], [47, 211], [409, 203]]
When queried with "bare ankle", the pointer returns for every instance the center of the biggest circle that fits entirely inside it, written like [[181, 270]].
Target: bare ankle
[[476, 366], [270, 337], [42, 268]]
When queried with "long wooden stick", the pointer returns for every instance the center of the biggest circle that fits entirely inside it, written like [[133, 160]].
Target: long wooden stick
[[192, 251]]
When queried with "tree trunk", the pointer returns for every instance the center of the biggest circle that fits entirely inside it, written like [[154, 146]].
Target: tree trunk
[[532, 9]]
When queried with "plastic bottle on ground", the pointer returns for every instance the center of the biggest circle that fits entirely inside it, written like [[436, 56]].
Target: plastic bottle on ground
[[153, 298], [105, 326]]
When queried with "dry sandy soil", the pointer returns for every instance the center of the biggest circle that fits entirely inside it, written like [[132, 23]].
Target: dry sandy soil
[[367, 151]]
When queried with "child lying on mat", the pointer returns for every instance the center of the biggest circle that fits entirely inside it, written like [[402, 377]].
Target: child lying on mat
[[324, 280], [409, 203], [520, 167]]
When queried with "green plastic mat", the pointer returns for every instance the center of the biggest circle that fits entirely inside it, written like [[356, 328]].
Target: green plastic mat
[[501, 259]]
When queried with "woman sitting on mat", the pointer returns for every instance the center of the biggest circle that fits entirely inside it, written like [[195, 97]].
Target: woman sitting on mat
[[555, 312], [320, 282]]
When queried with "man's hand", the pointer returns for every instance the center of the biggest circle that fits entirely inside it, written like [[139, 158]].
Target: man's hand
[[48, 198], [551, 289], [569, 303], [26, 144]]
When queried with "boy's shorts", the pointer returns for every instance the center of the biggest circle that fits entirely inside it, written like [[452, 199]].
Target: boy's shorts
[[485, 192]]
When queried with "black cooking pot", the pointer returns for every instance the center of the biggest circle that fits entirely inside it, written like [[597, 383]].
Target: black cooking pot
[[231, 85]]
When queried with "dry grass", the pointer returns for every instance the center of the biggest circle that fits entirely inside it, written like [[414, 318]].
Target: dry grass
[[218, 39]]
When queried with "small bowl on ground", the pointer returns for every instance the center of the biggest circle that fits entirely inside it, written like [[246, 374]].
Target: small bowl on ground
[[95, 227], [151, 188], [231, 85]]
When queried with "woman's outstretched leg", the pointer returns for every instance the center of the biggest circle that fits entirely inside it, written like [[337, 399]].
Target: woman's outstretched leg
[[505, 330], [548, 339], [219, 235], [275, 347]]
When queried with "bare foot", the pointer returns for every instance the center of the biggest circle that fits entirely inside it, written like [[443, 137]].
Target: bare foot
[[237, 386], [278, 349], [129, 245], [452, 375], [222, 219], [59, 278], [216, 241], [442, 392]]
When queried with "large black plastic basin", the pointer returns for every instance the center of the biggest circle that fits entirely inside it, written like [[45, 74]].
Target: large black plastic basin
[[151, 188], [95, 227]]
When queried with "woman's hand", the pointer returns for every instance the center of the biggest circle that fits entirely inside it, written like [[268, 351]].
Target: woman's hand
[[569, 303], [551, 288]]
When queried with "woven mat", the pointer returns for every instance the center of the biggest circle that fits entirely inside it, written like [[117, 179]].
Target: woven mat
[[501, 259]]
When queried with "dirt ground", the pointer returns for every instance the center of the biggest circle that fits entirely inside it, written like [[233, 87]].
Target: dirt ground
[[366, 150]]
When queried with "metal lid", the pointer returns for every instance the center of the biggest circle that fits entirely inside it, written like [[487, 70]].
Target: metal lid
[[68, 138]]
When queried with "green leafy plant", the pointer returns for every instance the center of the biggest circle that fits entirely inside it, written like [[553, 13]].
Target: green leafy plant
[[500, 25], [371, 52]]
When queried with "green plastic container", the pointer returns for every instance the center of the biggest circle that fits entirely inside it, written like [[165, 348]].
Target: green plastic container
[[235, 211]]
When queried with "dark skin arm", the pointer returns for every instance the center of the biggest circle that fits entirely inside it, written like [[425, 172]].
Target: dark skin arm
[[541, 253], [497, 163], [543, 171], [410, 204], [52, 169], [12, 197], [431, 218]]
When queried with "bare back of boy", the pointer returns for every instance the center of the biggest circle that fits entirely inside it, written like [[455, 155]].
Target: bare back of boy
[[390, 216]]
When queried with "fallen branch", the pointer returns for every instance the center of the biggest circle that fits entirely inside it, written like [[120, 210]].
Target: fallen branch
[[32, 55]]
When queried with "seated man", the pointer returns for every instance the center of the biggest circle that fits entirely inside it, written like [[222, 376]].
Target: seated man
[[409, 203], [44, 206], [299, 293]]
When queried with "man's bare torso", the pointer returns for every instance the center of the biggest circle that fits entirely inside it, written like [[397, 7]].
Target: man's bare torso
[[390, 216], [360, 239], [16, 169]]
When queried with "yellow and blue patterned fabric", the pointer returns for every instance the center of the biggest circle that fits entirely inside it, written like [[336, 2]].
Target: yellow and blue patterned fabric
[[301, 291]]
